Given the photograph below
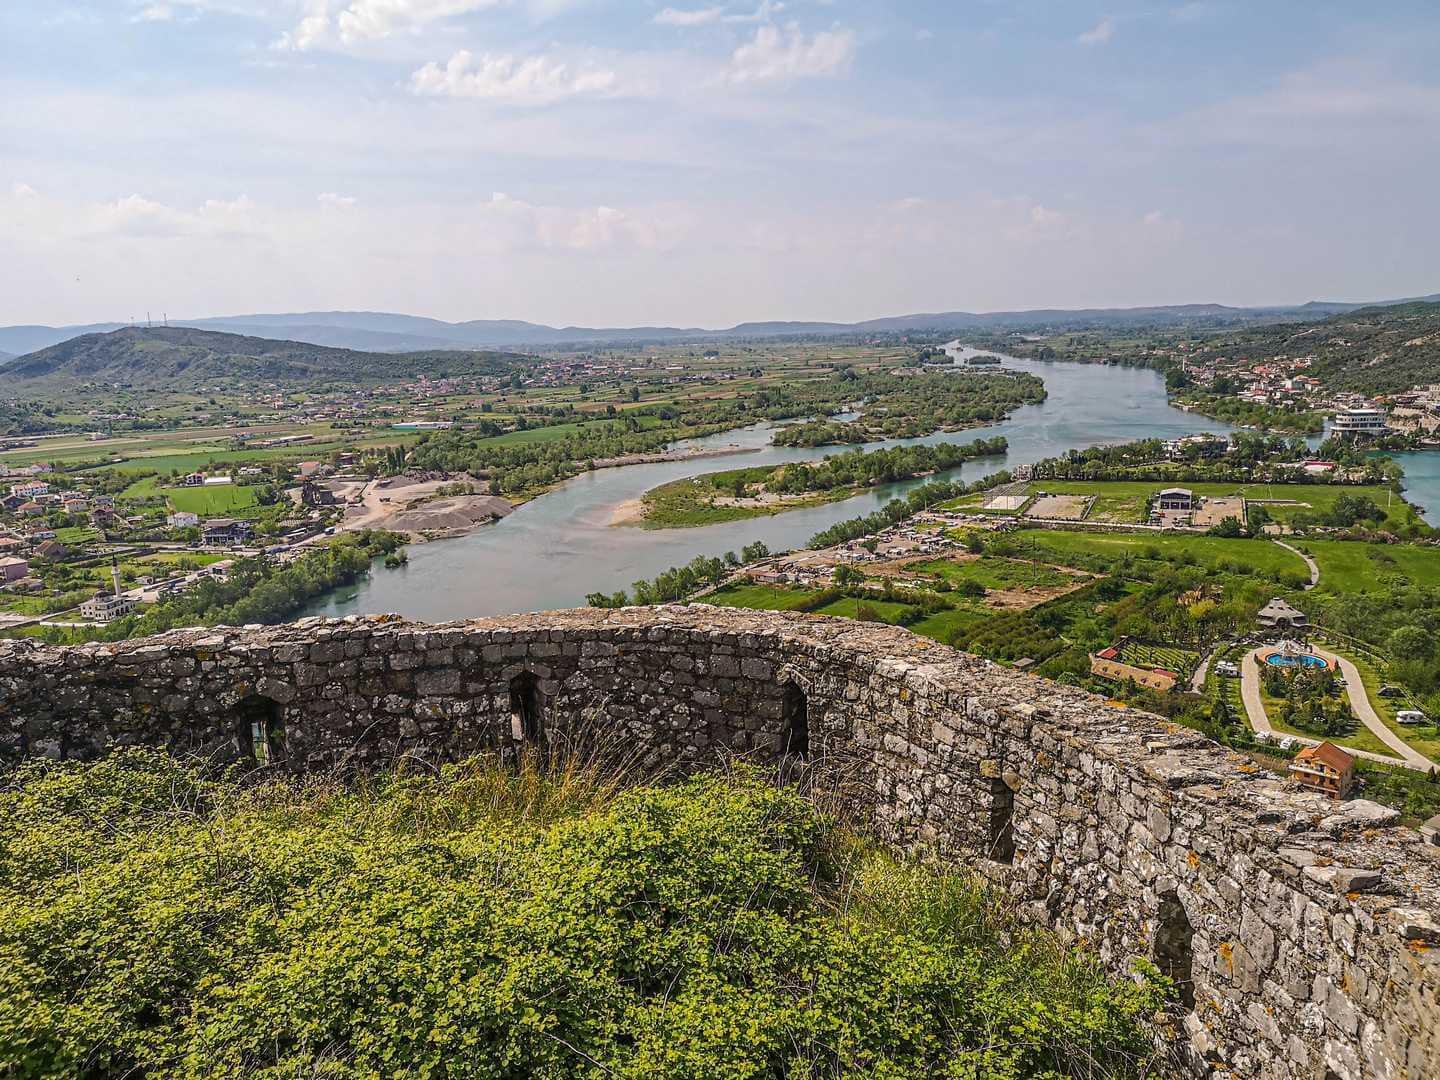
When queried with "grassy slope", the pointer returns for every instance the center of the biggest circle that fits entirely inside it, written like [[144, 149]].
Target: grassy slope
[[1207, 550], [556, 922]]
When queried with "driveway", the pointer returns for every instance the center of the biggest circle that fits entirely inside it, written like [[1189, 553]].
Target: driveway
[[1359, 702], [1311, 563]]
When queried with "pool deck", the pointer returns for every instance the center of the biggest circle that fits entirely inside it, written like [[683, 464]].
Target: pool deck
[[1406, 755]]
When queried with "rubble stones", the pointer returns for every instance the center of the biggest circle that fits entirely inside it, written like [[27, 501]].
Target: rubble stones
[[1313, 929]]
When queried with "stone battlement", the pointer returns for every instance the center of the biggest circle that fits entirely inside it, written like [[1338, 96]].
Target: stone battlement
[[1306, 933]]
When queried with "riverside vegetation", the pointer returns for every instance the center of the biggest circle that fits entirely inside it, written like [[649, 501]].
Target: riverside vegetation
[[735, 494], [487, 922], [253, 590], [896, 407]]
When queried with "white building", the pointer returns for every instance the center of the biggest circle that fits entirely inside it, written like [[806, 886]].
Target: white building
[[1359, 421], [183, 519], [105, 607]]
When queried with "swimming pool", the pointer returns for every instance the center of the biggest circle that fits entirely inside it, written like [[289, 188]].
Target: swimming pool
[[1281, 659]]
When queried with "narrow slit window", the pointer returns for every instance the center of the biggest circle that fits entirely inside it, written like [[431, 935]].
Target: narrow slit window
[[795, 720], [526, 720], [1002, 822], [261, 731], [1173, 948]]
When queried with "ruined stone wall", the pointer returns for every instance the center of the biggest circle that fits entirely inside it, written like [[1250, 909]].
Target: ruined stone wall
[[1310, 931]]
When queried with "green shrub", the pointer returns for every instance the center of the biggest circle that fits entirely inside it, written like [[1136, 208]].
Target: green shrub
[[490, 923]]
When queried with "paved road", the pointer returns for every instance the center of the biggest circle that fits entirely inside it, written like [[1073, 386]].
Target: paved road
[[1197, 681], [1314, 567], [1359, 701]]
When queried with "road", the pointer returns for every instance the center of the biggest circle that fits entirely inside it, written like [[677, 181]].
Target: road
[[1311, 563], [1359, 702]]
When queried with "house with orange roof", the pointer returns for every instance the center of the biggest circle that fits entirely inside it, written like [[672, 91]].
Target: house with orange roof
[[1325, 768]]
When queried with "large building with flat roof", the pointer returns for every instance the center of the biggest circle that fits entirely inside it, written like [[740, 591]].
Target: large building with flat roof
[[1367, 421]]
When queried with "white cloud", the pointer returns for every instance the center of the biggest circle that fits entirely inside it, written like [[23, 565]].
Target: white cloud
[[22, 191], [775, 53], [312, 30], [1098, 34], [154, 13], [1043, 217], [331, 201], [352, 21], [689, 17], [512, 80], [1154, 217], [137, 217], [767, 10]]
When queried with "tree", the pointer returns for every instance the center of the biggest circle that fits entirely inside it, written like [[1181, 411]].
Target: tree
[[1411, 643], [1228, 527]]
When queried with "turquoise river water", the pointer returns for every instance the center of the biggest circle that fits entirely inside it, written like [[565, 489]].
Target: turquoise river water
[[554, 550]]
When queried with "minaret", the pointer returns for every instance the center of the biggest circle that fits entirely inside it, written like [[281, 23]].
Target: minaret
[[115, 573]]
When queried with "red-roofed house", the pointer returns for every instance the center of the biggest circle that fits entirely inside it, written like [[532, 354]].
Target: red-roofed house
[[1324, 768]]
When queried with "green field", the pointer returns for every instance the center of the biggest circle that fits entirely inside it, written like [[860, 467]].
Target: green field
[[847, 606], [1127, 501], [995, 574], [1350, 566], [758, 597], [555, 432], [940, 626], [688, 502], [216, 501], [1209, 551]]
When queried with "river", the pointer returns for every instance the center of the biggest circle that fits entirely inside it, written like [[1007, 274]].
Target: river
[[554, 550]]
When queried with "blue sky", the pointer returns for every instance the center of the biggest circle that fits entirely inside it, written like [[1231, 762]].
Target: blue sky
[[627, 161]]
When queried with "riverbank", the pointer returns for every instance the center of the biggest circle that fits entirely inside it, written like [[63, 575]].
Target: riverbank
[[560, 546], [765, 490]]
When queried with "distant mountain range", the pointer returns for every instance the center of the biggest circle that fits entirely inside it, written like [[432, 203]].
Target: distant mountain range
[[182, 358], [384, 332]]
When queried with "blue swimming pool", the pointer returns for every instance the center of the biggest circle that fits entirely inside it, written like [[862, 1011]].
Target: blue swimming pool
[[1277, 659]]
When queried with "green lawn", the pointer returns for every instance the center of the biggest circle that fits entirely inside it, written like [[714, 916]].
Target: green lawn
[[759, 597], [940, 626], [847, 606], [1350, 566], [995, 573], [1423, 737], [530, 436], [1210, 551], [211, 501]]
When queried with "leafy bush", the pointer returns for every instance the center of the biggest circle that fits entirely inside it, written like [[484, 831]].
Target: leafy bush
[[489, 923]]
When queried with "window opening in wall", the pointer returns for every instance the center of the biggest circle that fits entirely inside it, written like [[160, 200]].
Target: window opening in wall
[[1173, 951], [261, 731], [526, 724], [795, 721], [1002, 822]]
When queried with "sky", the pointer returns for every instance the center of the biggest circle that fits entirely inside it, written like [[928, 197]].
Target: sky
[[702, 163]]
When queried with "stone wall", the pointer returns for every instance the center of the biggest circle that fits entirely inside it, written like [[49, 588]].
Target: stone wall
[[1307, 932]]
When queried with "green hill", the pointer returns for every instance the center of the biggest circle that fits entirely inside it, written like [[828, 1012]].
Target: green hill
[[1375, 350], [181, 358]]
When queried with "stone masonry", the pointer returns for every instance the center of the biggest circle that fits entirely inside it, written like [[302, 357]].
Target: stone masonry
[[1306, 933]]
